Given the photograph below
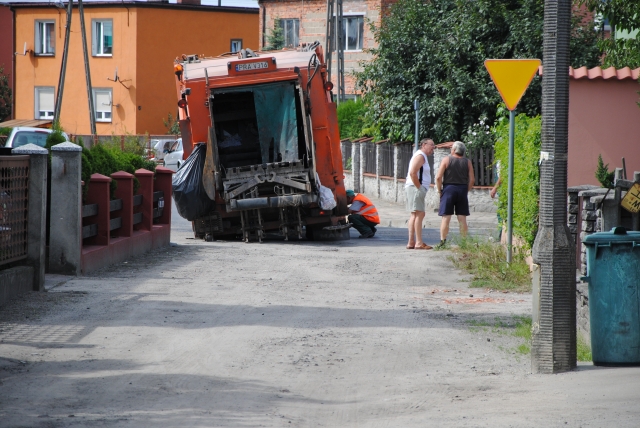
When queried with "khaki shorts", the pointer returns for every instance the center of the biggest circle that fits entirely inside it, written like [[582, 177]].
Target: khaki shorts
[[415, 198]]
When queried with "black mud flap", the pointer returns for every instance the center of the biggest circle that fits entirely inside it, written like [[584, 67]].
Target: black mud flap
[[328, 233]]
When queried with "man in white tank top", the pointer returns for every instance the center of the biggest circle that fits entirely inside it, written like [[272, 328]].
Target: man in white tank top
[[416, 186]]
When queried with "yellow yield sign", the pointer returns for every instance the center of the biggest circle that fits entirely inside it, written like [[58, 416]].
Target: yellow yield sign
[[512, 77]]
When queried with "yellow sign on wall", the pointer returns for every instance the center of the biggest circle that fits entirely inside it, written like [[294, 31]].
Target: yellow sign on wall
[[631, 201], [512, 77]]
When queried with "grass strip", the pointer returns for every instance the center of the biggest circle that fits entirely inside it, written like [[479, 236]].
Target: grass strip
[[486, 261]]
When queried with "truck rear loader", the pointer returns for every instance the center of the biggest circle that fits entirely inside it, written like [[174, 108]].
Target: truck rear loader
[[273, 159]]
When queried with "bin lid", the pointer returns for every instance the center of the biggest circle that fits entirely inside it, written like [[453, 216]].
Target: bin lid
[[617, 235]]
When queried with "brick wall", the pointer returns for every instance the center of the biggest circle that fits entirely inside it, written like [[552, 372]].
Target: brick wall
[[313, 20]]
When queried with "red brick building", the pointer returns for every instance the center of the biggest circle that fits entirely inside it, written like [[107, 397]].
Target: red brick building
[[305, 21]]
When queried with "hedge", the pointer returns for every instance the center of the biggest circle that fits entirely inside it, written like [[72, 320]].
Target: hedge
[[526, 174]]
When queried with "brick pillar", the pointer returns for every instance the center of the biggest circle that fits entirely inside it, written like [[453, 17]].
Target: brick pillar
[[37, 210], [145, 178], [356, 172], [124, 191], [99, 193], [163, 181], [65, 238]]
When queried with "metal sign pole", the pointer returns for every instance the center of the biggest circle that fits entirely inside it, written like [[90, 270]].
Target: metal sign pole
[[512, 121], [416, 107]]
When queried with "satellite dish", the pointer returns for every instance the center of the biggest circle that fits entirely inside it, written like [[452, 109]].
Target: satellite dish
[[115, 75], [24, 49]]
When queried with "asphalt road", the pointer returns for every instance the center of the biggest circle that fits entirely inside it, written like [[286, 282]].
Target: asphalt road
[[361, 333]]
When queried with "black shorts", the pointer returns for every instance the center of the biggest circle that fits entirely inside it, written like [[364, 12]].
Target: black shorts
[[454, 200]]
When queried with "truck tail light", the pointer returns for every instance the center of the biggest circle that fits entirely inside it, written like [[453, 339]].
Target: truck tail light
[[182, 103], [328, 86]]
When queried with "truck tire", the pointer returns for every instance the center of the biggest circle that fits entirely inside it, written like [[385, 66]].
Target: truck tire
[[318, 233], [196, 234]]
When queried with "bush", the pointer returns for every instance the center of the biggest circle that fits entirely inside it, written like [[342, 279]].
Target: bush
[[603, 175], [5, 131], [526, 174], [132, 144], [105, 159], [350, 117]]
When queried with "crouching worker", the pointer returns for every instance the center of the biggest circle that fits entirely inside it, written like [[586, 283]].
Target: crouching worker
[[363, 215]]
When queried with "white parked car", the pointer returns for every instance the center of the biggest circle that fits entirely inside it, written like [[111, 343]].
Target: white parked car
[[173, 159], [23, 135]]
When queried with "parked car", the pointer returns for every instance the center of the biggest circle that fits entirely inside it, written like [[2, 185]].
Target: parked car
[[160, 148], [23, 135], [173, 159]]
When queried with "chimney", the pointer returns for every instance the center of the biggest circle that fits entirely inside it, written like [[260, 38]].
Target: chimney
[[191, 2]]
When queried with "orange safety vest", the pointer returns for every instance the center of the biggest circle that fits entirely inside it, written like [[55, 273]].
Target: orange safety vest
[[369, 210]]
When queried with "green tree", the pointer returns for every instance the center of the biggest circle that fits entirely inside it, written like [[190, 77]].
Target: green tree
[[603, 175], [623, 15], [350, 116], [5, 96], [275, 38], [172, 125], [434, 51]]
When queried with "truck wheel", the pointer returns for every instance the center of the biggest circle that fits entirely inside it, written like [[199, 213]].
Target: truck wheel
[[196, 234], [318, 233]]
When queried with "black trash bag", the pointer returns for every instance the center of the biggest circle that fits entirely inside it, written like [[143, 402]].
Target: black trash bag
[[189, 195]]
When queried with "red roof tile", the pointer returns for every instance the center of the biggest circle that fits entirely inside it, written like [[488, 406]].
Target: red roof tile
[[600, 73]]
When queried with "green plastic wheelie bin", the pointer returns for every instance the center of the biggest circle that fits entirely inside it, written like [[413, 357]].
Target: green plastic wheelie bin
[[613, 274]]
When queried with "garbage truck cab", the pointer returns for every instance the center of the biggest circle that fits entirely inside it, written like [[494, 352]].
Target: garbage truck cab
[[273, 159]]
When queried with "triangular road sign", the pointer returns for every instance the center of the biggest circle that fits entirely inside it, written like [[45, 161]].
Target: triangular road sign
[[512, 77]]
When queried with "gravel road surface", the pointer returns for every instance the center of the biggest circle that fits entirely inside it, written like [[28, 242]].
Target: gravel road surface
[[362, 333]]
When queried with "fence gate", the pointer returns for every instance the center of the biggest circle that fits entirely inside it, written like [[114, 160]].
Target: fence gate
[[14, 202]]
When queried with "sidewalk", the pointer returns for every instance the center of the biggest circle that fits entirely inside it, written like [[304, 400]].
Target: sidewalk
[[396, 215]]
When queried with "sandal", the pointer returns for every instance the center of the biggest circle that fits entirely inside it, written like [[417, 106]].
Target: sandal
[[423, 247], [410, 247]]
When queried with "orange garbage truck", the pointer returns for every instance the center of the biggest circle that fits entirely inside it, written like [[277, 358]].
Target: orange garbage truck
[[273, 160]]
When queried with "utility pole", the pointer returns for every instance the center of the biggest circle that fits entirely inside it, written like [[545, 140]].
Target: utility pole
[[87, 71], [554, 321], [335, 41], [329, 38], [63, 66], [340, 50]]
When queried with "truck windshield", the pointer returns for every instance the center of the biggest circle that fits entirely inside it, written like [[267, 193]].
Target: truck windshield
[[257, 124]]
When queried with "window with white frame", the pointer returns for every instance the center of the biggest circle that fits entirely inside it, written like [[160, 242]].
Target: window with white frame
[[102, 37], [352, 32], [291, 31], [236, 45], [102, 104], [45, 38], [44, 102]]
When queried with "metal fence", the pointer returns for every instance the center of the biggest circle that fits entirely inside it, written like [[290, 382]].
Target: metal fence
[[3, 140], [386, 159], [369, 157], [14, 201], [346, 155], [405, 152], [482, 161]]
